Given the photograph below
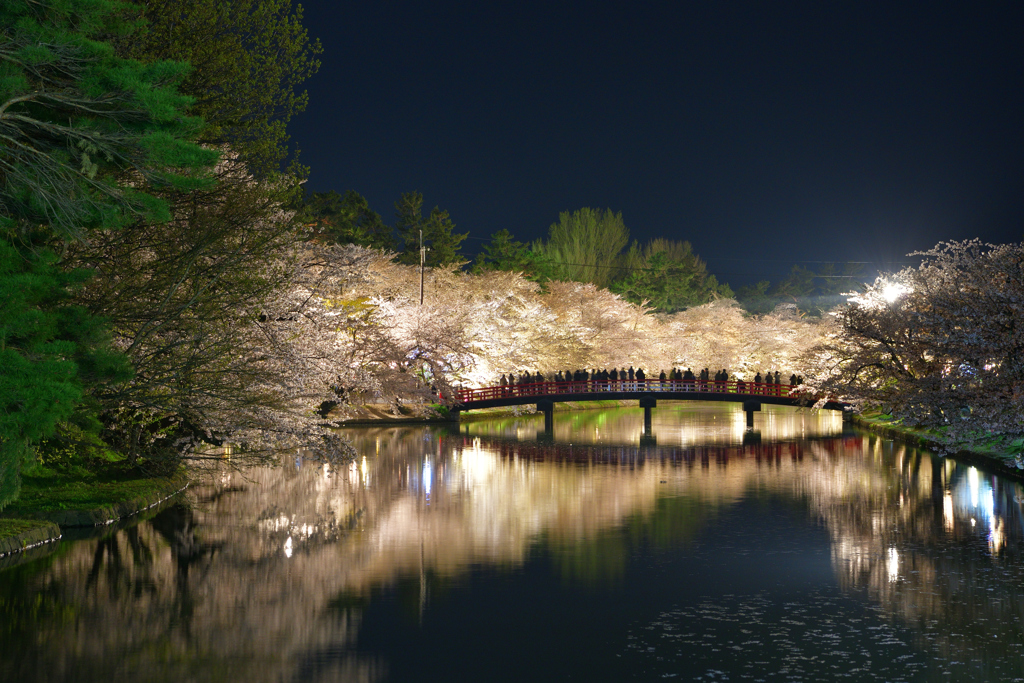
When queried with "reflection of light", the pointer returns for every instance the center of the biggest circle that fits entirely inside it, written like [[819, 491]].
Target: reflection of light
[[996, 537], [972, 481], [288, 547], [894, 564], [427, 475], [947, 511], [478, 465], [363, 471]]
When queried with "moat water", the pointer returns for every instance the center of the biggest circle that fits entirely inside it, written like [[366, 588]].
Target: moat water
[[800, 551]]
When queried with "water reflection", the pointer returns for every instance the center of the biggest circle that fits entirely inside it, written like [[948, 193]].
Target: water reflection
[[283, 573]]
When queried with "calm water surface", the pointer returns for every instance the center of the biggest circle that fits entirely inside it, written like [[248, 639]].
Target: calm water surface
[[494, 552]]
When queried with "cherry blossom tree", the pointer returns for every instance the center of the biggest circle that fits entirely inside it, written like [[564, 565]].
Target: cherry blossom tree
[[938, 346]]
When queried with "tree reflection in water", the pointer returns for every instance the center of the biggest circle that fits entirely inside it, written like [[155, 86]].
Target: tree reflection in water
[[270, 576]]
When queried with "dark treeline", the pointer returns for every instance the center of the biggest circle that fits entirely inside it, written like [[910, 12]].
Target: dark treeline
[[587, 245]]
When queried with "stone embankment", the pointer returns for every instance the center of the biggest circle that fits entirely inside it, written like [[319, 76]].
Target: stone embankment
[[31, 537]]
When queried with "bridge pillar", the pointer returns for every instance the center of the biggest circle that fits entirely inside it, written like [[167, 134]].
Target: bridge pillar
[[647, 404], [751, 407], [548, 408]]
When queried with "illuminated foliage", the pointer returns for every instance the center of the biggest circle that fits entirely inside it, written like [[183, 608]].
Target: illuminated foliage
[[938, 346]]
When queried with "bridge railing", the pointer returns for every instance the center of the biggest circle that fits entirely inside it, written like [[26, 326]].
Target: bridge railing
[[654, 386]]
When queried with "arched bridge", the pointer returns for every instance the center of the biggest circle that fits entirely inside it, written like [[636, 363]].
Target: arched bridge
[[647, 391]]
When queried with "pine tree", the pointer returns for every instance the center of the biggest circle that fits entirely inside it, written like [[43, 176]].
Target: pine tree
[[439, 236], [88, 141]]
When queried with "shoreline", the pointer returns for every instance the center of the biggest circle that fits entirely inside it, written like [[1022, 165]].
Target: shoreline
[[32, 529], [995, 462]]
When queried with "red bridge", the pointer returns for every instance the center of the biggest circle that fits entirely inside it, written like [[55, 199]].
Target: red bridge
[[648, 392]]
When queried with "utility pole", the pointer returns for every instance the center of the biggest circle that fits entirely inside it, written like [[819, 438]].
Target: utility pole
[[423, 258]]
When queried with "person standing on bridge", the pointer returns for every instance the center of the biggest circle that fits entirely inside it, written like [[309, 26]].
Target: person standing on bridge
[[641, 380], [725, 380], [632, 375], [757, 383], [504, 385]]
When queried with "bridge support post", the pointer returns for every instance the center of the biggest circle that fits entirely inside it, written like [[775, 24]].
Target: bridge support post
[[647, 404], [548, 408], [751, 407]]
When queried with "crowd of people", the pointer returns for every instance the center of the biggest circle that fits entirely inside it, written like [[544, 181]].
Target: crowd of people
[[585, 381]]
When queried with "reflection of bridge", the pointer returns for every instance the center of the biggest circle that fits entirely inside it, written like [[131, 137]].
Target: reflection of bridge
[[633, 454], [648, 392]]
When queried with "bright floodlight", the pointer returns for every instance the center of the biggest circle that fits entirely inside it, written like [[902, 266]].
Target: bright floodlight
[[892, 291]]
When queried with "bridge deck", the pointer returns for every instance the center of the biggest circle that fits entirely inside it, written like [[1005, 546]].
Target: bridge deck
[[732, 390]]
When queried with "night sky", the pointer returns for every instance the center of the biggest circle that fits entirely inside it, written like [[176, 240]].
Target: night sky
[[765, 134]]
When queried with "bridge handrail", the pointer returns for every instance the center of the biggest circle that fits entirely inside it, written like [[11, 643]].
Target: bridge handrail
[[653, 386]]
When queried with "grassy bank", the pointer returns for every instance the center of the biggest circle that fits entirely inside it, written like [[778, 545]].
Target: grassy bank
[[18, 535], [1002, 453], [47, 491], [79, 497]]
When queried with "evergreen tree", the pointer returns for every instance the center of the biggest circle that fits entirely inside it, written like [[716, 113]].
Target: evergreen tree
[[345, 220], [439, 236], [248, 60], [86, 136], [506, 253], [50, 350], [669, 277], [88, 142], [586, 245]]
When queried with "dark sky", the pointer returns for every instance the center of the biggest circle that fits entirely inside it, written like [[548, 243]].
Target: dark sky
[[766, 134]]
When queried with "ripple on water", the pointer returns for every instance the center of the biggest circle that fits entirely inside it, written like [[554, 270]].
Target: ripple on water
[[751, 637]]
